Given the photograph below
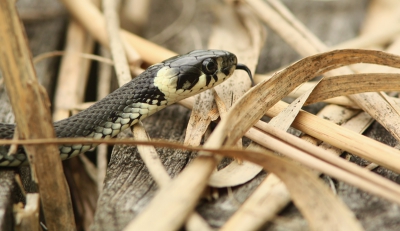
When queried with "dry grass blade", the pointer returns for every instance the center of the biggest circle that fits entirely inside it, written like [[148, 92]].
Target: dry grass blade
[[117, 49], [284, 119], [391, 101], [30, 103], [234, 174], [270, 197], [46, 55], [334, 86]]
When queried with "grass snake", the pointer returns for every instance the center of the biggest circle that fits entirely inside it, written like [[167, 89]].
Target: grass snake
[[162, 84]]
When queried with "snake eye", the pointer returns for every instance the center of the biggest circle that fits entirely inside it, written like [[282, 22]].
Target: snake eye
[[209, 66]]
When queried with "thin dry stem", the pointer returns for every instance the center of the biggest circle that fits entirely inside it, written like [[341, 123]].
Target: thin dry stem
[[116, 46]]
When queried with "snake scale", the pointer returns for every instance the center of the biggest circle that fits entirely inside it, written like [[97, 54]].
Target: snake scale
[[160, 85]]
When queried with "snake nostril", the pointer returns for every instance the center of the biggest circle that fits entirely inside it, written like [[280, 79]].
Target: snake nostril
[[226, 70]]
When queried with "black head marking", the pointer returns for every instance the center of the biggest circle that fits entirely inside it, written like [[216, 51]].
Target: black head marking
[[189, 78], [215, 77], [208, 79]]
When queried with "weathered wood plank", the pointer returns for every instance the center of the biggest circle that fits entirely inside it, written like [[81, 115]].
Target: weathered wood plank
[[128, 185]]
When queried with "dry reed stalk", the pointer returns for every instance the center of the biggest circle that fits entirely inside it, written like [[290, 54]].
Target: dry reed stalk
[[115, 42], [135, 14], [91, 18], [73, 74], [70, 91], [103, 89], [30, 103]]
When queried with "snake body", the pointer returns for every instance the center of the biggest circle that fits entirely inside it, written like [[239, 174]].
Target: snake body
[[160, 85]]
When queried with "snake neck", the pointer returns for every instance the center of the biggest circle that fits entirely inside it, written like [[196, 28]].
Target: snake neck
[[121, 109]]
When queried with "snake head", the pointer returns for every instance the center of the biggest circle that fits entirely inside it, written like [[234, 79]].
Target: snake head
[[199, 70]]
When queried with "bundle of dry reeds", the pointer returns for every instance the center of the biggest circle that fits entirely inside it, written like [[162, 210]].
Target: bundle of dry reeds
[[139, 193]]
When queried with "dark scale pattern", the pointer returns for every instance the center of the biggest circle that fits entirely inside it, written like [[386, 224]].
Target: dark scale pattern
[[7, 130], [111, 107]]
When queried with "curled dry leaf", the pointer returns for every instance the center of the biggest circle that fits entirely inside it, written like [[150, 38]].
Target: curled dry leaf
[[329, 87], [259, 99], [334, 86]]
